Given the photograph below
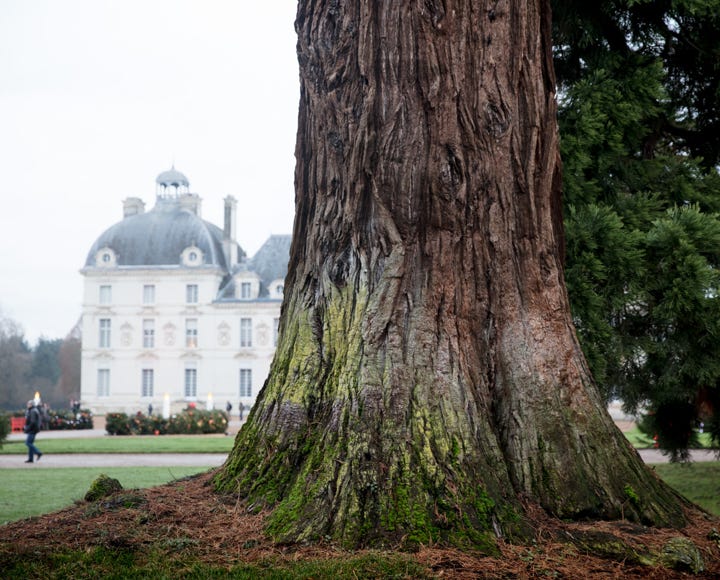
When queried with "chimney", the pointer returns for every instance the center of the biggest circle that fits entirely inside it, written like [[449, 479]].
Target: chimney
[[133, 206], [190, 202], [230, 231]]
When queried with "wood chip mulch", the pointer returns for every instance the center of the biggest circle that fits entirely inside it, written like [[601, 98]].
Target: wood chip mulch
[[219, 530]]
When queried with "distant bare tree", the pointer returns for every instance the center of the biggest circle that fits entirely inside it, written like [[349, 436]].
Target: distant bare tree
[[69, 384], [15, 364]]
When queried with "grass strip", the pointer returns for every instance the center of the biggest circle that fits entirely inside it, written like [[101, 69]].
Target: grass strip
[[33, 492], [699, 482], [129, 444], [639, 440]]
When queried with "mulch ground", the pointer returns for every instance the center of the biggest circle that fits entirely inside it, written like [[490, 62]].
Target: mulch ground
[[218, 530]]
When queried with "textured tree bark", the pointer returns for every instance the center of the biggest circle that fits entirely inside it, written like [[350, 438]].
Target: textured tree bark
[[428, 381]]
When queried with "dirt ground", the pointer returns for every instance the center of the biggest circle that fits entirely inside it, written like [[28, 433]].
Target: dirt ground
[[219, 530]]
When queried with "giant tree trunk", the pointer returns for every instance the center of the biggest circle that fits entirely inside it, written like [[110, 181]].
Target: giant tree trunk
[[428, 381]]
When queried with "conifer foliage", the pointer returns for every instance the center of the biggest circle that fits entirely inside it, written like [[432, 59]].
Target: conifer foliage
[[640, 129]]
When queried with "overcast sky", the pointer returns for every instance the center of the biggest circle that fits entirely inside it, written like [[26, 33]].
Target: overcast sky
[[97, 97]]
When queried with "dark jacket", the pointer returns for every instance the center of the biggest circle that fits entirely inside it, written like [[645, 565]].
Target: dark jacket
[[33, 420]]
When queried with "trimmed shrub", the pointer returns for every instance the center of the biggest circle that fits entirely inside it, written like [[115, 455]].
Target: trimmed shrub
[[65, 419], [118, 424], [195, 421], [191, 421], [69, 420]]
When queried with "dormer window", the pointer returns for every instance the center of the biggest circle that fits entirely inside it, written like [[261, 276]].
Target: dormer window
[[192, 256], [105, 258], [247, 286], [245, 290], [277, 288]]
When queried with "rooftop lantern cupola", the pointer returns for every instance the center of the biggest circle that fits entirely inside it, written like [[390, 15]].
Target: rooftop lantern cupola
[[171, 183]]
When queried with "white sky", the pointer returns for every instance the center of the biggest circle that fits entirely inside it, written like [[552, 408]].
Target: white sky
[[97, 97]]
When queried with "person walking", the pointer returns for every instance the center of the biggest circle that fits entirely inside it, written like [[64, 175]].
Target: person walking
[[33, 424]]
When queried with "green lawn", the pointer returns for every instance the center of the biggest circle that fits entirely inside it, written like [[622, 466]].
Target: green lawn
[[25, 493], [33, 492], [641, 441], [129, 444], [193, 444], [699, 482]]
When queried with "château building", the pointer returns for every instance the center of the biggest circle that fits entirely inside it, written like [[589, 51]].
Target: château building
[[174, 312]]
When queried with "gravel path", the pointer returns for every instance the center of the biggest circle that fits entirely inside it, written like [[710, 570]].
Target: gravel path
[[209, 459], [197, 459]]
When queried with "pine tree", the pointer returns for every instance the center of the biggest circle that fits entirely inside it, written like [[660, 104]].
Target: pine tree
[[640, 123]]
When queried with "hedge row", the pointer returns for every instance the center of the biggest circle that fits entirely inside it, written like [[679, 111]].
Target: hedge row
[[68, 420], [189, 422], [63, 419]]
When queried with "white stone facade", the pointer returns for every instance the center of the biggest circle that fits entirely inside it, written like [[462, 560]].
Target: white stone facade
[[201, 330]]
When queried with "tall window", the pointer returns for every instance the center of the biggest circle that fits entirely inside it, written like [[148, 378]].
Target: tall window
[[276, 330], [104, 341], [148, 382], [191, 333], [246, 332], [191, 293], [105, 294], [246, 382], [103, 383], [245, 290], [148, 333], [149, 294], [190, 383]]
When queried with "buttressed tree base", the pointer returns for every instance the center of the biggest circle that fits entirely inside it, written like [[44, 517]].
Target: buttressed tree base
[[428, 382]]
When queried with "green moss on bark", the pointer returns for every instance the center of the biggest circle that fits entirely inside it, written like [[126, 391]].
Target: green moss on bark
[[343, 445]]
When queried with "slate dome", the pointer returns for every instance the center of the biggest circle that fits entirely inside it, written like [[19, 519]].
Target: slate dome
[[159, 237]]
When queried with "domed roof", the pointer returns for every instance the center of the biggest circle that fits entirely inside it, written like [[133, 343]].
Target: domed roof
[[172, 178], [159, 237]]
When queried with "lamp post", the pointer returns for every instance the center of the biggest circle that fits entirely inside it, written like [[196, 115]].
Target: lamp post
[[210, 403]]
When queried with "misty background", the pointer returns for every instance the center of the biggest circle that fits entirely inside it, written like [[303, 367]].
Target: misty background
[[97, 97]]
